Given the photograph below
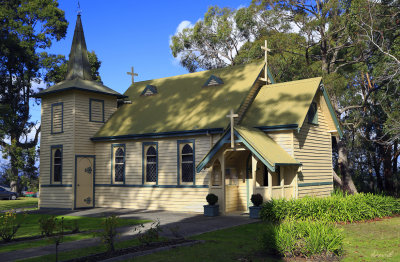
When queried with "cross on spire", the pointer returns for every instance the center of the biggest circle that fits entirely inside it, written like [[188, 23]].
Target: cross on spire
[[79, 10], [232, 116], [266, 49], [133, 74]]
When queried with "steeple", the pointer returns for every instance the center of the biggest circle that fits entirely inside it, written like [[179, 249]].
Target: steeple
[[78, 64]]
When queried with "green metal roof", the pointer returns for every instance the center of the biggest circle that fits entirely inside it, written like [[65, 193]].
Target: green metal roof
[[282, 104], [182, 103], [258, 142], [78, 74], [266, 147]]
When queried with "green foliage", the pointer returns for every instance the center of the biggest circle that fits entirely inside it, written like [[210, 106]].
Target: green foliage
[[256, 199], [57, 66], [9, 225], [337, 208], [48, 225], [292, 238], [212, 199], [150, 235], [109, 232]]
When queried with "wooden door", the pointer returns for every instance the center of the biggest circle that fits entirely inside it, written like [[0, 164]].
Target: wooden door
[[85, 170]]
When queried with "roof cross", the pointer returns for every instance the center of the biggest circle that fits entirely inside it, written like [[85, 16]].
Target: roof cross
[[133, 74], [232, 116], [266, 49]]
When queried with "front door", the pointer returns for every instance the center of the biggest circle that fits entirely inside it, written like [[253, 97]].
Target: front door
[[85, 169]]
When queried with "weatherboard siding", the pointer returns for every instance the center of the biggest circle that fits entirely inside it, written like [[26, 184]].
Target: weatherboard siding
[[170, 198], [84, 128], [284, 139], [54, 197], [313, 148]]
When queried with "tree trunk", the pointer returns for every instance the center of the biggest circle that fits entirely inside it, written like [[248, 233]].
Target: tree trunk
[[348, 184], [14, 175], [388, 168]]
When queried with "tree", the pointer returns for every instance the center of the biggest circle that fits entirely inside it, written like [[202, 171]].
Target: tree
[[25, 27], [56, 67]]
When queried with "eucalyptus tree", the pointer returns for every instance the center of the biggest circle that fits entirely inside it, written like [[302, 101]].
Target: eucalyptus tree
[[26, 26]]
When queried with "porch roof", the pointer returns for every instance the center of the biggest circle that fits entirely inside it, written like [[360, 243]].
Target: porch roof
[[259, 143]]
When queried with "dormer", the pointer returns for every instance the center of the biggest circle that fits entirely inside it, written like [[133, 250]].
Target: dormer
[[213, 80], [149, 90]]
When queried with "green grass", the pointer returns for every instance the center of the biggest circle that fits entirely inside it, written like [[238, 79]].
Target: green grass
[[83, 251], [41, 242], [30, 226], [375, 241], [21, 202]]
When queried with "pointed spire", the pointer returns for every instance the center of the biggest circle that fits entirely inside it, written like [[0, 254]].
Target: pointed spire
[[78, 64]]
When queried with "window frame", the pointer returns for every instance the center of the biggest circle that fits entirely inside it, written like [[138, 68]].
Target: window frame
[[52, 117], [90, 109], [114, 147], [314, 120], [145, 147], [180, 145], [54, 148]]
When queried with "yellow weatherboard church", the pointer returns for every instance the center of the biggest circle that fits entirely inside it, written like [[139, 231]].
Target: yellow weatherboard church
[[233, 132]]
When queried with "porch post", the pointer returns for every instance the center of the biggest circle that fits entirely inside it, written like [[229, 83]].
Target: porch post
[[269, 185], [254, 174], [223, 200], [282, 182]]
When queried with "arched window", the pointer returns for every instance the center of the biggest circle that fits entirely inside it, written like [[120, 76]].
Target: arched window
[[119, 166], [216, 175], [187, 164], [57, 165], [151, 164]]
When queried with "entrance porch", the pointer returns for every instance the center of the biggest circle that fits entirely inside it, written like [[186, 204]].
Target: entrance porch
[[248, 168]]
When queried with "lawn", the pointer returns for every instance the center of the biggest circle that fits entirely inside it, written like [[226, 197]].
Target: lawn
[[375, 241], [21, 202], [30, 227]]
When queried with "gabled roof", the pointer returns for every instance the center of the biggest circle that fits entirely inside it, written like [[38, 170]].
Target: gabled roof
[[282, 104], [259, 143], [182, 103], [78, 75]]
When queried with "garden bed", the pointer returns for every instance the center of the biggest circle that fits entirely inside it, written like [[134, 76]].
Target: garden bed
[[132, 250]]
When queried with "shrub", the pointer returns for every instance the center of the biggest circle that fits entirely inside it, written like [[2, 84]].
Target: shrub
[[212, 199], [109, 233], [47, 225], [256, 199], [291, 238], [336, 208], [150, 235], [9, 225]]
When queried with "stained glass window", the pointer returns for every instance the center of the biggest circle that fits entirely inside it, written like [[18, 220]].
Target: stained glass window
[[57, 165], [187, 163], [151, 164], [119, 165]]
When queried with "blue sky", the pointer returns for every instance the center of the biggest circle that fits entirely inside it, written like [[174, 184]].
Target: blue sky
[[132, 33]]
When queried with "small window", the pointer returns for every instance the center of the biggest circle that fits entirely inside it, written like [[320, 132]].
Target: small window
[[187, 164], [96, 110], [313, 114], [57, 118], [56, 152], [150, 163], [119, 163]]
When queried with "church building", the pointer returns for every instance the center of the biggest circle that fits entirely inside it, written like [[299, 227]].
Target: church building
[[166, 143]]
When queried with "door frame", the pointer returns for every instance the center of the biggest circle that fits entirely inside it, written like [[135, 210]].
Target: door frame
[[94, 175]]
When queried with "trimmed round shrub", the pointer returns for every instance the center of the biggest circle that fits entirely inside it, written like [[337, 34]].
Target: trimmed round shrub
[[212, 199], [256, 199]]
